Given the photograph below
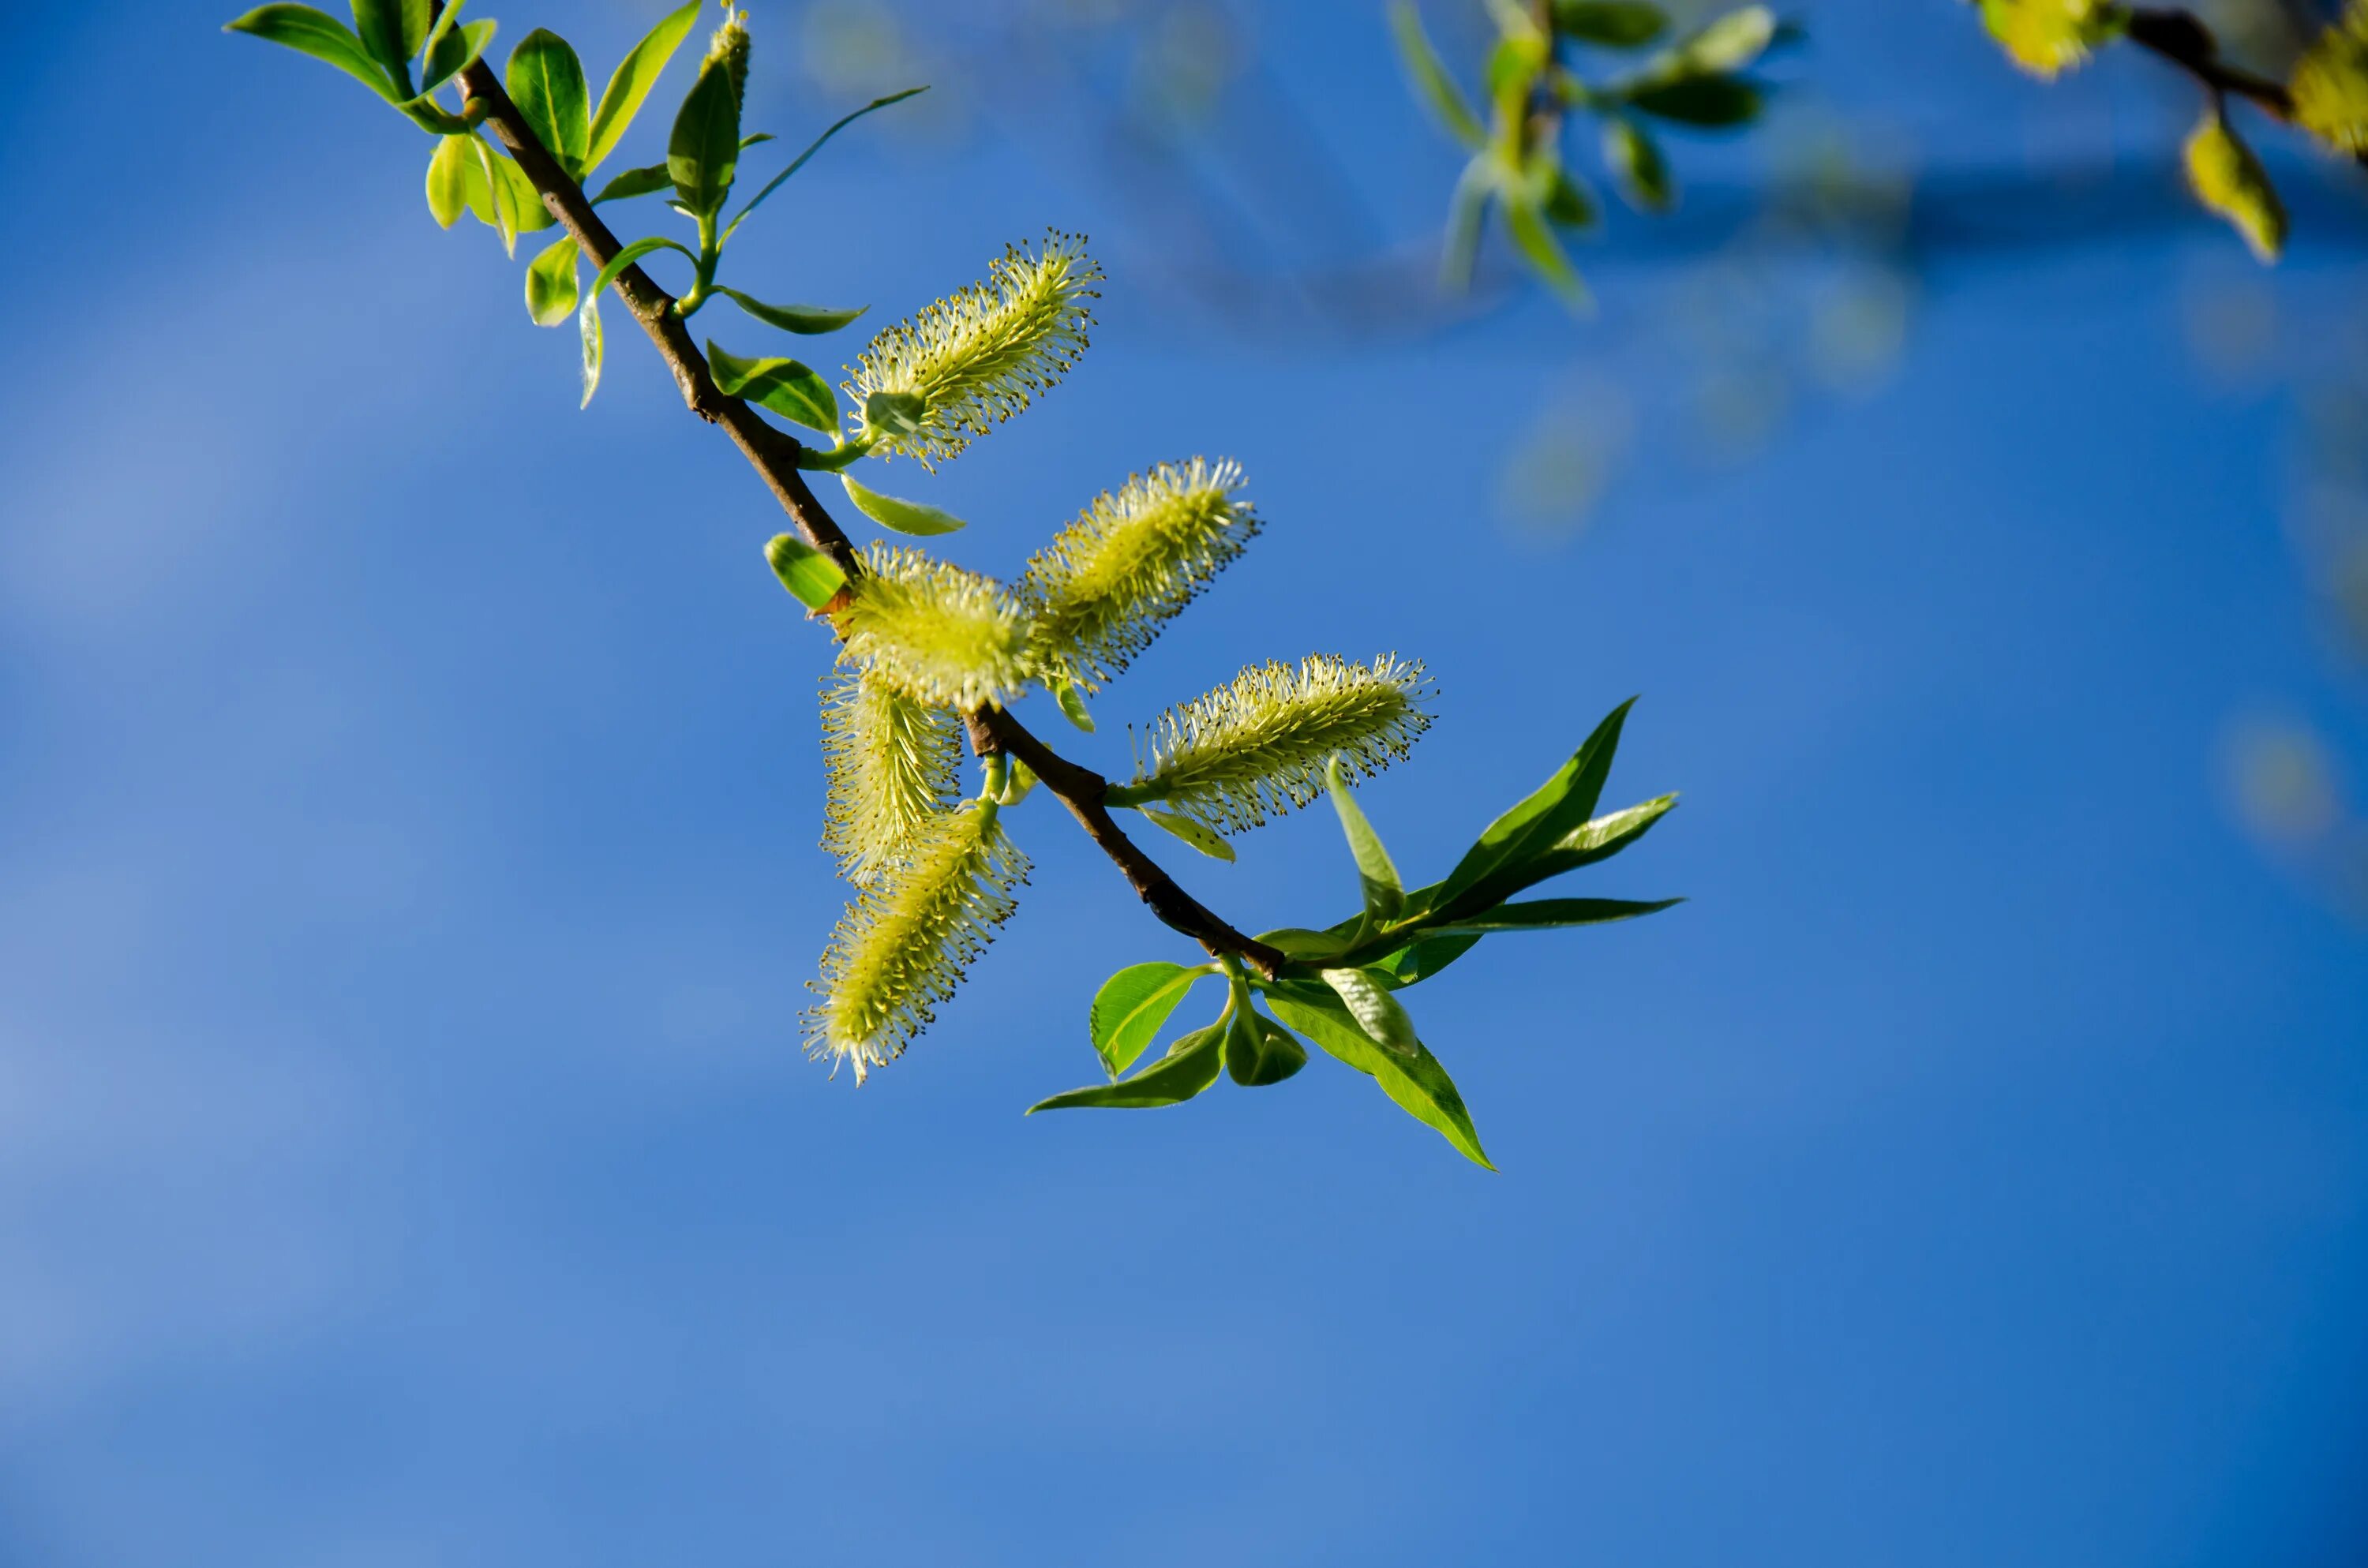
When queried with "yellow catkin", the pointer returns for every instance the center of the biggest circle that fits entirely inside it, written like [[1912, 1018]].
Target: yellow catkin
[[2047, 38], [891, 762], [943, 636], [2330, 83]]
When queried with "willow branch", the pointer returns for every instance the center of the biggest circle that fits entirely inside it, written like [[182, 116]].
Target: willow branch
[[2181, 38], [773, 453]]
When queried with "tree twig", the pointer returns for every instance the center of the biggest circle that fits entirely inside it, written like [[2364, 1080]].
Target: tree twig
[[2181, 38], [773, 454]]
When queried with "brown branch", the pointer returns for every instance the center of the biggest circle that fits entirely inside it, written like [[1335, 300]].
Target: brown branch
[[2181, 38], [774, 455]]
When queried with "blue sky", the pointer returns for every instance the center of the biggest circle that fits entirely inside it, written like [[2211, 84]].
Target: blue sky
[[409, 878]]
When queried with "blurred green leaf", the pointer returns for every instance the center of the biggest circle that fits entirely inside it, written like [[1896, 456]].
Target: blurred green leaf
[[1514, 65], [448, 180], [632, 81], [1467, 210], [2229, 180], [1636, 160], [1417, 1083], [1547, 913], [1726, 44], [1188, 1068], [1376, 876], [1615, 24], [812, 578], [1380, 1014], [810, 320], [785, 386], [546, 82], [815, 146], [1429, 74], [320, 35], [1568, 202], [1711, 102], [1200, 835], [703, 154], [1132, 1006], [1259, 1052], [901, 517], [551, 283], [1545, 252]]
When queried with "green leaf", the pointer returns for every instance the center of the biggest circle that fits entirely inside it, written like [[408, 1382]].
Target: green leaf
[[759, 139], [1200, 835], [448, 180], [894, 413], [1548, 914], [1568, 202], [1513, 66], [1636, 161], [1017, 782], [1552, 808], [1725, 44], [551, 283], [1128, 1009], [1545, 252], [812, 578], [1614, 23], [1417, 1083], [1190, 1065], [2229, 180], [1429, 75], [633, 80], [1385, 895], [546, 81], [1295, 942], [320, 35], [1377, 1012], [1418, 961], [450, 53], [810, 320], [703, 154], [1259, 1052], [392, 30], [1584, 845], [589, 318], [785, 386], [901, 517], [1712, 102], [635, 182], [1073, 705], [1467, 210], [815, 146], [492, 198]]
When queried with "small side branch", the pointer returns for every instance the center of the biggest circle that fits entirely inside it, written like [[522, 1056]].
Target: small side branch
[[2181, 38]]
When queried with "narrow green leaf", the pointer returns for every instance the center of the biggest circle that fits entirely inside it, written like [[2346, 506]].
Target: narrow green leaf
[[1017, 782], [320, 35], [810, 320], [393, 32], [546, 81], [1190, 1065], [1467, 211], [635, 182], [1259, 1052], [812, 148], [1376, 875], [1377, 1012], [1073, 705], [1298, 943], [1726, 44], [1200, 835], [1429, 75], [448, 180], [2229, 179], [588, 317], [1418, 961], [551, 283], [633, 80], [1583, 846], [1636, 160], [812, 578], [759, 139], [785, 386], [1552, 808], [1545, 252], [1613, 24], [1547, 913], [1417, 1083], [1513, 66], [703, 153], [901, 517], [1128, 1009], [1709, 102]]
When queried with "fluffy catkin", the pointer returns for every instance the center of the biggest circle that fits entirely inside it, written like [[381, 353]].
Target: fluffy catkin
[[2330, 82], [943, 636], [1259, 744], [2047, 38], [1098, 593], [985, 353], [891, 762], [904, 943]]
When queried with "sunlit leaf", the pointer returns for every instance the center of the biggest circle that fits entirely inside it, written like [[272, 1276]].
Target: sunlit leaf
[[1431, 76], [1259, 1052], [1200, 835], [1188, 1069], [810, 320], [815, 146], [901, 517], [546, 81], [320, 35], [632, 81], [785, 386], [812, 578], [1132, 1006], [551, 283], [1417, 1083]]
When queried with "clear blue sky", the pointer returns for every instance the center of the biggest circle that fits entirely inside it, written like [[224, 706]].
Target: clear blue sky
[[408, 805]]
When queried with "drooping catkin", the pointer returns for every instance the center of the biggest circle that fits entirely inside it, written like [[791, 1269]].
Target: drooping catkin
[[984, 353], [1258, 744], [892, 762], [905, 942], [941, 635], [1098, 593]]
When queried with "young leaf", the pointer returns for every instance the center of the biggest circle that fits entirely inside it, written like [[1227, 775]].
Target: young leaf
[[448, 180], [492, 200], [1614, 23], [812, 578], [1552, 808], [703, 153], [1726, 44], [1429, 74], [633, 80], [1582, 846], [1635, 159], [2228, 179], [1537, 243], [1377, 1012], [636, 182], [1198, 835], [392, 30], [635, 76], [1709, 102], [551, 283], [451, 52], [1569, 204], [2330, 83], [1073, 705], [588, 317], [1417, 1083], [894, 413], [901, 517], [1467, 211], [1418, 961], [1188, 1069], [1385, 895], [1128, 1009], [1017, 783], [1547, 913], [785, 386], [546, 81], [320, 35], [815, 146], [810, 320], [1259, 1052]]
